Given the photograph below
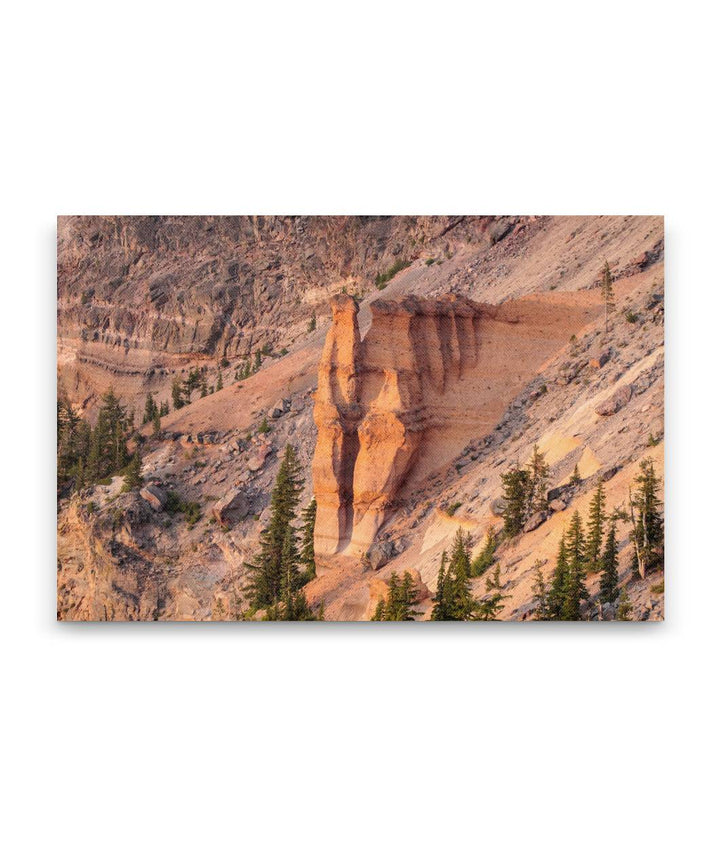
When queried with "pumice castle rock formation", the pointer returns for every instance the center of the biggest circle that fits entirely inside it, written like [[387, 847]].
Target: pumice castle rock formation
[[328, 406], [376, 399]]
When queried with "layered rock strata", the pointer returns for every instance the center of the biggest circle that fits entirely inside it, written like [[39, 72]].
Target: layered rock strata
[[377, 399]]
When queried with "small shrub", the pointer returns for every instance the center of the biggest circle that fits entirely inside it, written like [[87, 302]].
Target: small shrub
[[452, 508], [312, 323], [264, 427], [430, 261], [652, 440], [382, 279], [658, 588], [631, 317], [91, 508]]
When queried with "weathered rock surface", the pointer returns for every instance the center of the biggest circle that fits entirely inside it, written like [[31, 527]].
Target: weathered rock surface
[[155, 495], [232, 507], [615, 402]]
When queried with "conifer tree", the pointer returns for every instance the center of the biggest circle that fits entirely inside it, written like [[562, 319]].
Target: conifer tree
[[624, 609], [266, 578], [307, 548], [596, 525], [486, 556], [439, 611], [515, 493], [150, 409], [491, 604], [575, 477], [609, 563], [219, 384], [156, 424], [538, 472], [176, 393], [203, 386], [379, 614], [574, 591], [540, 593], [461, 603], [647, 525], [133, 478], [164, 409], [556, 594], [607, 292]]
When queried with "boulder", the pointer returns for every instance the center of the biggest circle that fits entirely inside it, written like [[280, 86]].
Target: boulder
[[497, 506], [534, 521], [379, 554], [154, 495], [599, 360], [277, 410], [557, 505], [256, 461], [616, 401], [233, 507]]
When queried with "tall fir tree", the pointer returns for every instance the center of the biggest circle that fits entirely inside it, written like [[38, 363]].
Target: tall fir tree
[[515, 492], [133, 476], [574, 591], [266, 577], [176, 393], [596, 525], [647, 525], [538, 472], [439, 610], [556, 594], [486, 556], [609, 563], [307, 547]]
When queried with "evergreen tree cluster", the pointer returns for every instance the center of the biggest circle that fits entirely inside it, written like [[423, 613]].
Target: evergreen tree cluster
[[401, 598], [87, 455], [276, 578], [581, 553], [525, 492]]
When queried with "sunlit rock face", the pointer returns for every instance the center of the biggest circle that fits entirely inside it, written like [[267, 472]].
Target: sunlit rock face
[[376, 401]]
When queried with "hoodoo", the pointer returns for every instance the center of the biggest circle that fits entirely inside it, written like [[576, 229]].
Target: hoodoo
[[376, 401]]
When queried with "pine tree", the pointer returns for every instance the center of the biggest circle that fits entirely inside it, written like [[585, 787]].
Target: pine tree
[[133, 478], [379, 614], [606, 290], [609, 564], [203, 386], [164, 409], [624, 609], [575, 477], [491, 604], [647, 524], [439, 611], [266, 578], [307, 548], [156, 424], [461, 604], [596, 525], [486, 556], [515, 493], [150, 409], [176, 393], [540, 593], [558, 584], [538, 472], [574, 591], [219, 384]]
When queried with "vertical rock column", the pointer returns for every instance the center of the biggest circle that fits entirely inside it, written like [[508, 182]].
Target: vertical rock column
[[337, 414]]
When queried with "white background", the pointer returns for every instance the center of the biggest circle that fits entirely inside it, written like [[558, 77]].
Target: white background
[[360, 739]]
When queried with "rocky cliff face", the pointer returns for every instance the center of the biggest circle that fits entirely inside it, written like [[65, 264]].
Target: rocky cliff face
[[376, 400], [141, 297], [416, 428]]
